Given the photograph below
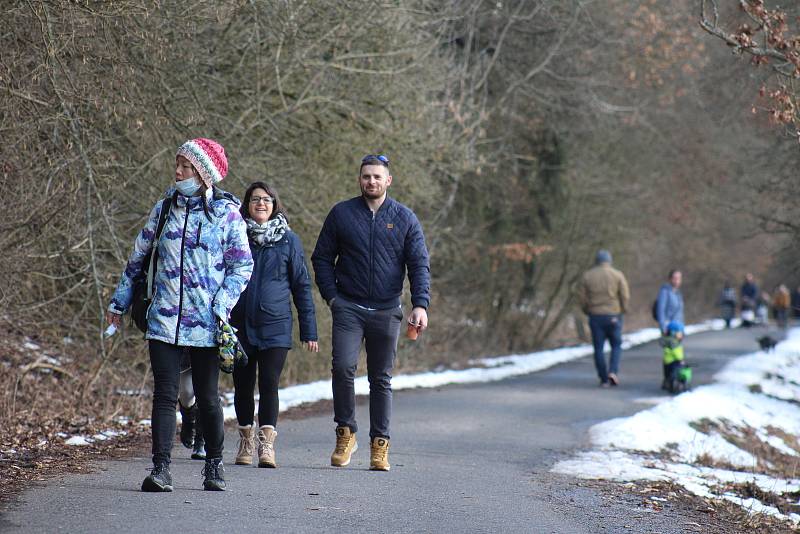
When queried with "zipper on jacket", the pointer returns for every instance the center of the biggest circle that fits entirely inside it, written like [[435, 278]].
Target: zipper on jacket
[[199, 226], [371, 256], [180, 274]]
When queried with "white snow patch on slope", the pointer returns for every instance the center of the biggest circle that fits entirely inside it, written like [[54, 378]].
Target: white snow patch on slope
[[759, 390]]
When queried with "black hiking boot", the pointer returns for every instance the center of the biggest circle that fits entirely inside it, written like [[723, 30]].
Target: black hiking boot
[[159, 479], [214, 474], [188, 417], [199, 449]]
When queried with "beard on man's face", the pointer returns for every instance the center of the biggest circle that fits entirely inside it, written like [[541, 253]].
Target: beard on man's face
[[373, 194]]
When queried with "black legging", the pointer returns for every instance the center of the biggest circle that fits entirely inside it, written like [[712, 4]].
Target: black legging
[[165, 359], [270, 364]]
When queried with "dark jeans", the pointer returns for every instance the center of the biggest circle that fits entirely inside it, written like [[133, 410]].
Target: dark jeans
[[165, 359], [781, 317], [606, 327], [269, 364], [379, 329]]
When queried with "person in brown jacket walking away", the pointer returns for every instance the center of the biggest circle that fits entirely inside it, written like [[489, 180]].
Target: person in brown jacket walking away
[[781, 302], [603, 295]]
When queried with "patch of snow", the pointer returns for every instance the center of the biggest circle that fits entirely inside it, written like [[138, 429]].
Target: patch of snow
[[30, 345], [108, 434], [51, 360], [777, 443], [751, 391], [79, 441]]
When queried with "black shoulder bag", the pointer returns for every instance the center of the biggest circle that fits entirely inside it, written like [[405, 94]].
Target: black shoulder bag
[[143, 284]]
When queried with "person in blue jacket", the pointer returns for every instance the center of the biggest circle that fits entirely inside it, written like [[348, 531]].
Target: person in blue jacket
[[263, 317], [364, 249], [669, 305]]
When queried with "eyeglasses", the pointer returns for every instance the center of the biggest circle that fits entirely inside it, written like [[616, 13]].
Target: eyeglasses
[[380, 158], [266, 200]]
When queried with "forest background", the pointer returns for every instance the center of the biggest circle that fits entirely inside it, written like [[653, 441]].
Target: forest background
[[526, 134]]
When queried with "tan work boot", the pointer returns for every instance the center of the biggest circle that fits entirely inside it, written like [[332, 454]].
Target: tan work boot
[[346, 445], [246, 445], [266, 446], [379, 455]]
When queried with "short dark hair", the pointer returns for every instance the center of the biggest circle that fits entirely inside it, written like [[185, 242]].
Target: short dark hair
[[374, 159], [277, 205], [672, 272]]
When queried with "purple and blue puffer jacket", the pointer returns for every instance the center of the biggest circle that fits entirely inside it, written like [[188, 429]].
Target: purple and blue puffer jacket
[[204, 264]]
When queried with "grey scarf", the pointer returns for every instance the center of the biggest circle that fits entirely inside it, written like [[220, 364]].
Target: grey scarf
[[271, 231]]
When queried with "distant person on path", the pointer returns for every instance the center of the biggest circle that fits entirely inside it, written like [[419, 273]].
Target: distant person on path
[[365, 246], [669, 304], [781, 303], [727, 304], [749, 294], [603, 295], [677, 375], [203, 265], [263, 317]]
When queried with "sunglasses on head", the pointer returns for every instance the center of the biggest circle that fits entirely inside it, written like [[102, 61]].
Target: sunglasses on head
[[371, 158]]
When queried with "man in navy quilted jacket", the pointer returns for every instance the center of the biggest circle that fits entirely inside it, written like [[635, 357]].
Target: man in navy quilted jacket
[[364, 249]]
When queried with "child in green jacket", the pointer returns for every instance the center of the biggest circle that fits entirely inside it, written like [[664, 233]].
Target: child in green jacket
[[677, 375]]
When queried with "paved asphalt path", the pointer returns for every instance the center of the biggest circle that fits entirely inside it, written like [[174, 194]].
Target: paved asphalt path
[[472, 458]]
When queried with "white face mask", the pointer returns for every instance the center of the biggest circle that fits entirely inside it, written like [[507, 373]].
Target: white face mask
[[188, 187]]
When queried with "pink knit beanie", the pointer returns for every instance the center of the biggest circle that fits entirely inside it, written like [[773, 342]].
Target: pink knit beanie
[[208, 157]]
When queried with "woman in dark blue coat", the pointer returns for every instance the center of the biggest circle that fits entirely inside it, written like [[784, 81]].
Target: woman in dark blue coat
[[263, 318]]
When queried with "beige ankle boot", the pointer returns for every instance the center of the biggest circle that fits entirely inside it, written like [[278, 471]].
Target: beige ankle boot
[[246, 445], [346, 445], [379, 454], [266, 446]]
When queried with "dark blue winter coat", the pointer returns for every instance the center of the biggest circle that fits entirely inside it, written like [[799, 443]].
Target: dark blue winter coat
[[750, 295], [364, 257], [264, 310]]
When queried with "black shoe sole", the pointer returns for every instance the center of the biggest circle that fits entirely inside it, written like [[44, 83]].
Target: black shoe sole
[[150, 486], [196, 456], [214, 486]]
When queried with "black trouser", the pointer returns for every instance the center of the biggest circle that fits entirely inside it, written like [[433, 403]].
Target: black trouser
[[165, 359], [270, 364], [378, 330]]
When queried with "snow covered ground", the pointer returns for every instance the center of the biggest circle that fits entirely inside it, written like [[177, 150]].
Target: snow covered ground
[[698, 439]]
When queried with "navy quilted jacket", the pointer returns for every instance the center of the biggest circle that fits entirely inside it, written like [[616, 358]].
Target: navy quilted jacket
[[264, 310], [364, 258]]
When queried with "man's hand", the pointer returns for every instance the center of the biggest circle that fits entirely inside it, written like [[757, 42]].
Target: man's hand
[[311, 346], [113, 318], [419, 318]]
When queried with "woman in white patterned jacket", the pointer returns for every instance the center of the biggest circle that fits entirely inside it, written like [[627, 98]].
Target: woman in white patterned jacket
[[204, 263]]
